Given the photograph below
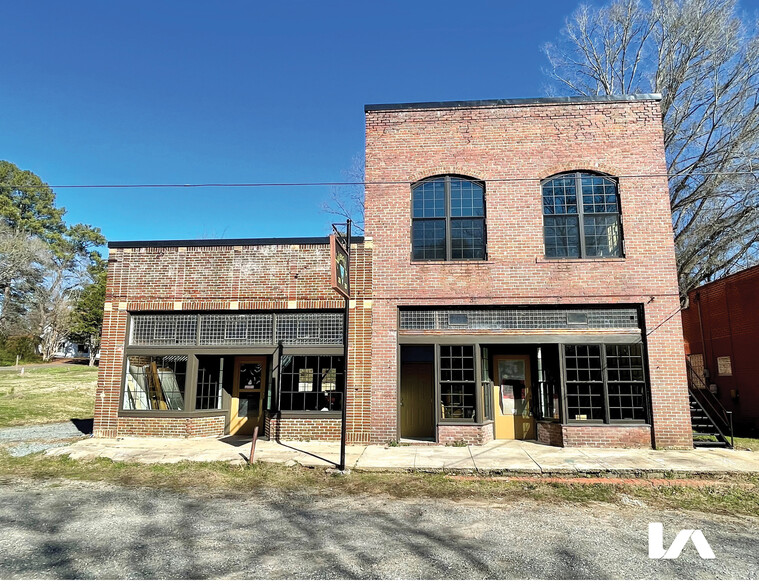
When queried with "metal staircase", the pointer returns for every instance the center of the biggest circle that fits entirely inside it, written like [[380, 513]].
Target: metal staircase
[[712, 424]]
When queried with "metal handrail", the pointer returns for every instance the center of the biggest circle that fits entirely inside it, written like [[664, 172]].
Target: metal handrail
[[721, 419]]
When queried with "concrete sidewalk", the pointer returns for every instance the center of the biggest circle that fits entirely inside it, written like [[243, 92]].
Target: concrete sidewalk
[[525, 457]]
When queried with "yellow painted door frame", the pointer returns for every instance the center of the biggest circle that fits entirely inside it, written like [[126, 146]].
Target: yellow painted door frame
[[247, 392], [513, 397]]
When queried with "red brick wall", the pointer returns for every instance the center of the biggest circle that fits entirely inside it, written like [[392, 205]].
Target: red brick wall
[[233, 277], [303, 429], [472, 435], [550, 434], [170, 427], [606, 436], [524, 144], [730, 320]]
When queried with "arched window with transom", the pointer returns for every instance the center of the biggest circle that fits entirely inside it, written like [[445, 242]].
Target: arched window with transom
[[447, 219], [581, 216]]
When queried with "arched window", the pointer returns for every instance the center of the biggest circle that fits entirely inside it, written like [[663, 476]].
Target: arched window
[[581, 216], [448, 219]]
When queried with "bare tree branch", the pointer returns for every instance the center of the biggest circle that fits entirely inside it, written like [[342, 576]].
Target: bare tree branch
[[704, 60]]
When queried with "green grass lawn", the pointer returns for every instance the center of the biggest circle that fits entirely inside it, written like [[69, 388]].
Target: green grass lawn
[[734, 494], [747, 443], [47, 394]]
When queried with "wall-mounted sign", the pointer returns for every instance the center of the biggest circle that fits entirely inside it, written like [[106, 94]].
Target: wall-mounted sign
[[724, 366], [340, 271]]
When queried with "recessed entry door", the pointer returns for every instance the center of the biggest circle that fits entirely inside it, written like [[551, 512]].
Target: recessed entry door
[[513, 397], [246, 409], [417, 401]]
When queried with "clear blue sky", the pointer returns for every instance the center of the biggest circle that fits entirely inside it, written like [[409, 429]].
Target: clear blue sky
[[238, 91]]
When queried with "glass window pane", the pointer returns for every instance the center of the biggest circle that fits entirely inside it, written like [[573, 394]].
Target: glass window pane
[[467, 198], [560, 195], [562, 236], [209, 389], [599, 194], [428, 239], [468, 239], [312, 382], [602, 238], [428, 199], [155, 382], [458, 401]]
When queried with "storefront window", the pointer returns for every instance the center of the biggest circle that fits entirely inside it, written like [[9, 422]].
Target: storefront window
[[457, 382], [209, 389], [312, 383], [549, 383], [155, 382], [605, 383]]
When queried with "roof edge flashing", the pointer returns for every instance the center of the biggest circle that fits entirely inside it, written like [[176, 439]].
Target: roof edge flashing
[[224, 242], [512, 102]]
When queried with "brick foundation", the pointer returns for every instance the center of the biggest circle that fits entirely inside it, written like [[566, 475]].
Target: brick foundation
[[167, 427], [594, 436], [469, 434], [550, 434], [302, 429]]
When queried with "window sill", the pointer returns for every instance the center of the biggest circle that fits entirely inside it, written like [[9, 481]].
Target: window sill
[[580, 260], [452, 262], [170, 414], [612, 424], [462, 422], [307, 414]]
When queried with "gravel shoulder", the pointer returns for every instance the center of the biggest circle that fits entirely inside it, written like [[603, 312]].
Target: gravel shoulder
[[28, 439], [68, 530]]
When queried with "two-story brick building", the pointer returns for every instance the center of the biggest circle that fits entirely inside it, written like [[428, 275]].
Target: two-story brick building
[[517, 280]]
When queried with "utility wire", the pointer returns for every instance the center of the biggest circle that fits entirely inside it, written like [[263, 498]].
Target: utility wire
[[317, 184]]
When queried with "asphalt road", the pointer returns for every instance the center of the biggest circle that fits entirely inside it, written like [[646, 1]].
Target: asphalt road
[[83, 530]]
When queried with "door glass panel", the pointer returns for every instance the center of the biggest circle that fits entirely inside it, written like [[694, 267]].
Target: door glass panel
[[514, 397]]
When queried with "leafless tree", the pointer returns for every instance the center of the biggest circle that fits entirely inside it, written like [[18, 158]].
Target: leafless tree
[[348, 201], [52, 311], [703, 57], [23, 259]]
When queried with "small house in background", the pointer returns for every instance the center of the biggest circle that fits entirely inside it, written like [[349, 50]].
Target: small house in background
[[70, 350], [721, 327]]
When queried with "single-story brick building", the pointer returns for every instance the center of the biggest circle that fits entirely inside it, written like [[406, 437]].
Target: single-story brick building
[[516, 280]]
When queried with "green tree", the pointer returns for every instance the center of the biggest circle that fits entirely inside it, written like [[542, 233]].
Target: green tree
[[88, 312], [45, 300]]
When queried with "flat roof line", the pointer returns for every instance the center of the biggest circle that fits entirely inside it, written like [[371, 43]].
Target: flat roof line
[[510, 102], [225, 242]]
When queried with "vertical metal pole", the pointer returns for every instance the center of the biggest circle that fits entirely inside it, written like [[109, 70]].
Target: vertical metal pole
[[343, 427]]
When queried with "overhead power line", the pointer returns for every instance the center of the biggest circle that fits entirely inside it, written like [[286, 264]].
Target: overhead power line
[[322, 184]]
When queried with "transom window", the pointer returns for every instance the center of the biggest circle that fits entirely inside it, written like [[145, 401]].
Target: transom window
[[581, 216], [448, 219]]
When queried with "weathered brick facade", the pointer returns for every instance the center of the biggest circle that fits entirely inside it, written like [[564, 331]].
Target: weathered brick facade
[[511, 147], [229, 276]]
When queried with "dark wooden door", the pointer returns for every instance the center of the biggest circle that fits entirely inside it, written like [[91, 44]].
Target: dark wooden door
[[417, 401]]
